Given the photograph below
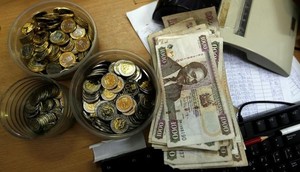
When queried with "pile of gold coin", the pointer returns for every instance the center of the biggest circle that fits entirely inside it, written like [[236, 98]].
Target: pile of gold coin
[[43, 108], [53, 42], [117, 96]]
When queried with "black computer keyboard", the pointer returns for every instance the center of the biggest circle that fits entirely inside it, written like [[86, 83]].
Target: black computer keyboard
[[278, 153]]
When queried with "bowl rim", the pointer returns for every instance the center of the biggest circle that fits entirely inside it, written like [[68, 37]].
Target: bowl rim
[[74, 89]]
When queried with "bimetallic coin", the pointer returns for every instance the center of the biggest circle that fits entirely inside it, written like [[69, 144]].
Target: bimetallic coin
[[90, 107], [109, 81], [58, 37], [35, 66], [106, 110], [132, 110], [67, 59], [137, 75], [68, 25], [119, 124], [63, 11], [124, 103], [91, 87], [27, 51], [79, 32], [81, 22], [26, 39], [53, 68], [108, 95], [28, 27], [145, 86], [125, 67], [68, 47], [119, 87], [82, 44], [131, 87]]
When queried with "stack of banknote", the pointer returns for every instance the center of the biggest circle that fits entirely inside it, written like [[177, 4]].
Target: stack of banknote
[[197, 127]]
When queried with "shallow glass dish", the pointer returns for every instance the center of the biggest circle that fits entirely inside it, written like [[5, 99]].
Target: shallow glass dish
[[98, 115], [43, 42]]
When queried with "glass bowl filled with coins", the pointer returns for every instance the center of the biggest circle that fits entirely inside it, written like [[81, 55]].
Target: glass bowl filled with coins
[[36, 106], [115, 94], [52, 38]]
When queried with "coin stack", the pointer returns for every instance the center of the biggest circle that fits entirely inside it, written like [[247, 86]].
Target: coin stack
[[43, 108], [117, 96], [53, 42]]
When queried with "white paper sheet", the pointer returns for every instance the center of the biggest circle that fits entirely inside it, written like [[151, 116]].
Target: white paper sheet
[[141, 21], [249, 82]]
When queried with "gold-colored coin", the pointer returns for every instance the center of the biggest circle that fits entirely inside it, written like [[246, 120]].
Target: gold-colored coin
[[81, 22], [108, 95], [40, 37], [27, 51], [68, 25], [124, 103], [69, 46], [26, 39], [28, 27], [82, 44], [67, 59], [109, 81], [57, 37], [119, 124], [90, 87], [35, 66], [90, 107], [132, 110], [79, 32], [119, 87], [126, 67]]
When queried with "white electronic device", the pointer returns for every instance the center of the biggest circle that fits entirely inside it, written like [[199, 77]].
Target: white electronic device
[[264, 29]]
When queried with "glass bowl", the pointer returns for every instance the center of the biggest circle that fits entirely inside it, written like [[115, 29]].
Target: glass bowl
[[34, 107], [115, 94], [52, 38]]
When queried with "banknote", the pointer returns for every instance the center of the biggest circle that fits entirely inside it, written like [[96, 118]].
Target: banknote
[[201, 16], [182, 25], [193, 105], [198, 156]]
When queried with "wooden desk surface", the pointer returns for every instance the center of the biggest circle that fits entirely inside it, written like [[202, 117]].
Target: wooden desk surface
[[68, 151]]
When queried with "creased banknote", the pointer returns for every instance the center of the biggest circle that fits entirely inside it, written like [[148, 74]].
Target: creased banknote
[[193, 100]]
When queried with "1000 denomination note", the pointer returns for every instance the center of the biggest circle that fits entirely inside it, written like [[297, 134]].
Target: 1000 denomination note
[[192, 99], [201, 16]]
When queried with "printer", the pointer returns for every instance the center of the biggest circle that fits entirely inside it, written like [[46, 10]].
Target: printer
[[265, 30]]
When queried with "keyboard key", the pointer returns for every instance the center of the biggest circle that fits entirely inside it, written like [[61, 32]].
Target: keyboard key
[[294, 165], [292, 138], [252, 165], [270, 169], [278, 142], [296, 114], [264, 161], [272, 122], [282, 168], [266, 146], [253, 150], [249, 129], [284, 118], [288, 153], [297, 150], [260, 125], [276, 157]]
